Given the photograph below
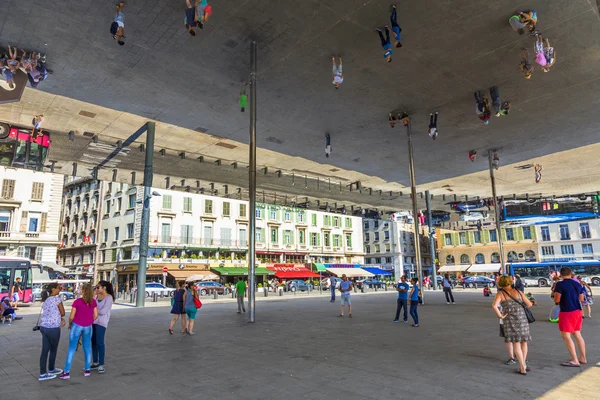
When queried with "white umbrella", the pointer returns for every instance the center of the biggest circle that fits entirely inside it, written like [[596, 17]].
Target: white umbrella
[[199, 277]]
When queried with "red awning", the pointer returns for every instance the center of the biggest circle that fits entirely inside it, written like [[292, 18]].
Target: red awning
[[290, 271]]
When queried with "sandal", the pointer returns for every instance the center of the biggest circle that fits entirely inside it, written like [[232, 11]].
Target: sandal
[[170, 331], [569, 364], [521, 373]]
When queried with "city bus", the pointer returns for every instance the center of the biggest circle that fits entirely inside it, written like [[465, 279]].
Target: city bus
[[19, 149], [545, 211], [541, 274]]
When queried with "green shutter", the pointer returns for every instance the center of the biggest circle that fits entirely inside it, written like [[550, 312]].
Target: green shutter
[[318, 239], [314, 219], [503, 235], [455, 239], [485, 236], [278, 215], [262, 235], [532, 230], [292, 237], [349, 240], [519, 233], [469, 238]]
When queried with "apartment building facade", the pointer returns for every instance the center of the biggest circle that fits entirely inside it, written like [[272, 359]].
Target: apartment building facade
[[570, 240], [29, 217]]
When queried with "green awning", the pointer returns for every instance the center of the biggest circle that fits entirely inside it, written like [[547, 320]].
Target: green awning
[[319, 267], [233, 271]]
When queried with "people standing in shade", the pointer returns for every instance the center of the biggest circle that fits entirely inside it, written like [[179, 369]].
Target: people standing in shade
[[433, 132], [414, 295], [385, 43], [525, 66], [514, 321], [117, 28], [519, 284], [482, 107], [538, 173], [190, 307], [516, 24], [332, 288], [447, 285], [243, 96], [336, 70], [51, 321], [550, 55], [178, 308], [345, 288], [588, 297], [240, 289], [472, 155], [190, 21], [402, 302], [327, 145], [83, 313], [105, 295], [569, 295], [395, 27]]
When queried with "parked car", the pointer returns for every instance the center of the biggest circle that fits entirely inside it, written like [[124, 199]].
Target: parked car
[[207, 287], [158, 288], [64, 295], [325, 283], [370, 283], [437, 217], [477, 281], [474, 216], [467, 205], [298, 284]]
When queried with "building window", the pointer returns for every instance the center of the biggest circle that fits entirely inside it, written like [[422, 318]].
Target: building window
[[107, 209], [166, 201], [386, 235], [225, 236], [388, 248], [8, 189], [567, 249], [226, 209], [301, 236], [327, 239], [348, 222], [368, 249], [313, 219], [287, 237], [105, 236], [313, 239], [301, 216], [117, 233], [476, 237], [547, 250], [545, 233], [366, 225], [529, 255], [480, 258], [448, 239], [286, 215], [103, 256], [527, 232], [449, 260], [274, 238], [336, 222], [494, 236], [243, 210], [584, 228], [376, 224], [132, 201], [512, 256], [377, 260], [463, 237], [464, 259], [564, 233], [272, 214], [126, 253], [208, 207], [37, 191], [336, 240], [495, 258], [510, 234], [587, 248], [376, 236], [367, 237], [4, 220], [165, 233], [349, 240], [259, 235], [114, 255], [130, 231], [258, 212], [388, 260], [242, 234], [377, 249], [187, 233], [187, 204], [34, 222]]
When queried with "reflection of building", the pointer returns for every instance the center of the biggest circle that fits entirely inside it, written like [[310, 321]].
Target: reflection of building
[[29, 217], [391, 244], [572, 240], [79, 225], [481, 247]]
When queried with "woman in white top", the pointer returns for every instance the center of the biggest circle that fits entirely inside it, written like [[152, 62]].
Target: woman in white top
[[51, 320]]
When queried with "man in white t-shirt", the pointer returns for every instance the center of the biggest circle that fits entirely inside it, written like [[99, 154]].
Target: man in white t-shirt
[[338, 76], [327, 145]]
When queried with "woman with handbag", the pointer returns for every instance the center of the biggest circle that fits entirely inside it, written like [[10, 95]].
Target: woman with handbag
[[50, 322], [515, 319], [177, 308], [190, 300]]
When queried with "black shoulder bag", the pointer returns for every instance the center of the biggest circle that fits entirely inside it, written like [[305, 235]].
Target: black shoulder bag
[[528, 313]]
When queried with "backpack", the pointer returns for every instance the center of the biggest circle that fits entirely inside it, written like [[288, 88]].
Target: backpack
[[114, 27]]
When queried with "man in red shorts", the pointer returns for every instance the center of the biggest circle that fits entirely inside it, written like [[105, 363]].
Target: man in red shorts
[[569, 294]]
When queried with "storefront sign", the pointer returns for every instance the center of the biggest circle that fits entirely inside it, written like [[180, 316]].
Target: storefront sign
[[342, 265], [287, 267]]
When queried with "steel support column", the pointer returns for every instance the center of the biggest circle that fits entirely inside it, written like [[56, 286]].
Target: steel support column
[[496, 210], [431, 240], [413, 190], [252, 188]]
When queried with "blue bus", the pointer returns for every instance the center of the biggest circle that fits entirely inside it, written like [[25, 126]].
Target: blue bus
[[541, 274]]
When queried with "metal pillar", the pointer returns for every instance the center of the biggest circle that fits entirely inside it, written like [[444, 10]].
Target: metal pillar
[[145, 228], [252, 187], [496, 210], [431, 240], [413, 190]]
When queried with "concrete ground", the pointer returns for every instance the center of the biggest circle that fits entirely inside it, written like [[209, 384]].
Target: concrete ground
[[299, 349]]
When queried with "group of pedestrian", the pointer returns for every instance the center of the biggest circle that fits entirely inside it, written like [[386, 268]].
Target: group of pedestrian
[[482, 105], [196, 15], [408, 296], [545, 55], [185, 304], [88, 322], [30, 63]]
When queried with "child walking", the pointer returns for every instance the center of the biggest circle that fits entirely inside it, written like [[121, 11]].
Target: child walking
[[385, 43], [433, 132], [338, 76]]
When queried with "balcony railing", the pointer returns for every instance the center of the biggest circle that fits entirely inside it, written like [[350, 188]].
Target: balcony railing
[[202, 242], [4, 234]]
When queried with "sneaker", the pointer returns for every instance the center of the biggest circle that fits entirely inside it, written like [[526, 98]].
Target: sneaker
[[510, 361], [406, 321], [64, 375], [396, 320], [94, 366], [447, 302], [87, 372], [341, 316], [46, 377], [453, 303], [55, 371], [101, 369]]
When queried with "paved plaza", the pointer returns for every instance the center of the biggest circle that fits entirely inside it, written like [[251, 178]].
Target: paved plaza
[[299, 349]]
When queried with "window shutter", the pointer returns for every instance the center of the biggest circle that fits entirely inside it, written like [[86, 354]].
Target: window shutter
[[455, 239], [485, 236], [262, 235], [8, 188], [43, 222], [532, 230], [519, 233], [39, 253], [23, 221], [292, 237], [318, 239], [21, 251], [350, 240], [503, 235]]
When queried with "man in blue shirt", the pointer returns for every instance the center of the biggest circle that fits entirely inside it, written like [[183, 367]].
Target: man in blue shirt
[[395, 27], [385, 43], [569, 295], [402, 288], [345, 288]]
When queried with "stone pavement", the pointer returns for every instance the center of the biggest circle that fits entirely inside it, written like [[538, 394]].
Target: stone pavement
[[300, 350]]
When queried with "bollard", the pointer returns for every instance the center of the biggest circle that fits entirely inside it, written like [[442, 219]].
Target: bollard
[[386, 287], [131, 297], [362, 288], [265, 292], [309, 289], [215, 294], [464, 285], [320, 289], [540, 284], [233, 294], [375, 286], [280, 291], [355, 290], [154, 297]]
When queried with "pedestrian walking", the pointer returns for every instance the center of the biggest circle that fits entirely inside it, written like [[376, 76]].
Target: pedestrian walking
[[190, 21], [203, 11], [495, 160], [529, 18], [588, 297], [516, 24], [525, 66], [392, 120], [240, 289], [515, 326], [15, 293], [415, 294], [327, 145], [569, 295], [177, 307], [332, 288], [496, 102], [519, 283], [540, 57], [190, 307], [433, 132], [105, 295], [538, 173], [472, 155], [395, 27], [385, 43], [117, 28], [482, 107], [345, 288], [83, 313], [402, 301], [243, 97], [37, 124], [550, 56], [447, 285], [338, 76], [50, 323]]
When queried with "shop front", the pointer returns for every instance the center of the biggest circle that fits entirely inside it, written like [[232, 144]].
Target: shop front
[[292, 271], [228, 273]]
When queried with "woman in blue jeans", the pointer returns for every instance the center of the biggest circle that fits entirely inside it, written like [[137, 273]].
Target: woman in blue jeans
[[414, 301], [104, 296], [83, 313]]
